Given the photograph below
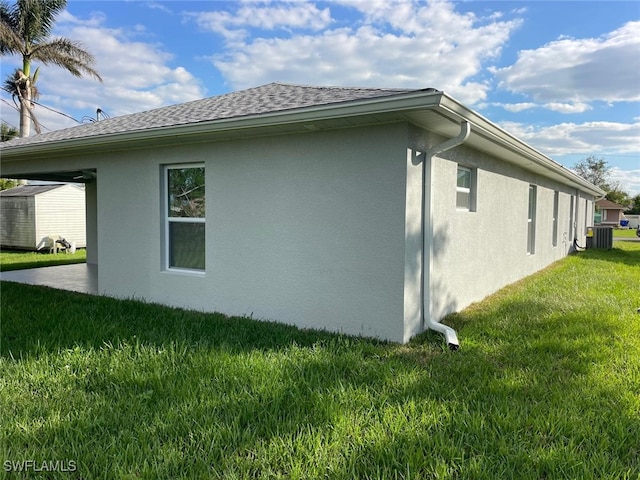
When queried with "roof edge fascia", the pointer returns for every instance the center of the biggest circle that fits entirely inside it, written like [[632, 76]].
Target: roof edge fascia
[[484, 126], [370, 106], [414, 100]]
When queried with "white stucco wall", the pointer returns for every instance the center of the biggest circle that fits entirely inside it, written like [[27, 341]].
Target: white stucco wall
[[477, 253], [305, 229], [323, 230], [91, 217]]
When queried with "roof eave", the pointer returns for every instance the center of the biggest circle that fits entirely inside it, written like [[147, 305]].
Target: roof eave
[[484, 127], [304, 115], [403, 102]]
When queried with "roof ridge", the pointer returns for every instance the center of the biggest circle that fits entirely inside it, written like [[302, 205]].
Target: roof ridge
[[340, 87]]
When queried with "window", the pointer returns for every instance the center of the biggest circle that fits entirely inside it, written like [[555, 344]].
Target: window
[[465, 189], [554, 239], [531, 221], [184, 217], [571, 218]]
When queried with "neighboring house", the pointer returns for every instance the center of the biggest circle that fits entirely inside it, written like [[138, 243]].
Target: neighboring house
[[611, 213], [360, 210], [32, 217]]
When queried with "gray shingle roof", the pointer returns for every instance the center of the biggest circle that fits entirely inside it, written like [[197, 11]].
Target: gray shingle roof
[[269, 98], [28, 190], [608, 204]]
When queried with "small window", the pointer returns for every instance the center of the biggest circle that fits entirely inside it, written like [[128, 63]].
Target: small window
[[531, 220], [465, 189], [185, 217]]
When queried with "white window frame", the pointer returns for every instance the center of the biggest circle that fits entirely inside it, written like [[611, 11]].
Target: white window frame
[[556, 207], [168, 220], [470, 191], [531, 219]]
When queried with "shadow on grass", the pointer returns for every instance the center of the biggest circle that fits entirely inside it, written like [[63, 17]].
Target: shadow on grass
[[627, 254], [45, 320]]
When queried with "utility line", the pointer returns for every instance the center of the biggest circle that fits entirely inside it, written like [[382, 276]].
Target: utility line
[[9, 123], [44, 106]]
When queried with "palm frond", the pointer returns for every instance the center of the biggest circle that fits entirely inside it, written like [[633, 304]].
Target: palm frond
[[10, 39], [37, 18], [67, 54]]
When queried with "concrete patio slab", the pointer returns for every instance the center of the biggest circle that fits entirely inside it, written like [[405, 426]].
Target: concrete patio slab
[[81, 277]]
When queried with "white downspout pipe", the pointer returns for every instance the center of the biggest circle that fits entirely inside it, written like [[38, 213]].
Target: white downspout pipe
[[427, 235]]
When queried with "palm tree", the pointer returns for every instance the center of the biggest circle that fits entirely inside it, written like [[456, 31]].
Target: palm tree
[[7, 132], [25, 29]]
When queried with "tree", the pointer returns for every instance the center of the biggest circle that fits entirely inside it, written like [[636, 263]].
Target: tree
[[7, 132], [635, 205], [7, 183], [25, 29], [595, 170], [598, 172], [618, 196]]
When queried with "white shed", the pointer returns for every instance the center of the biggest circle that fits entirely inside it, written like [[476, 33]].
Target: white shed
[[31, 214]]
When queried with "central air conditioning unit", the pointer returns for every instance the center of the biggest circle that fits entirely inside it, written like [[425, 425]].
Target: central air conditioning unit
[[602, 237]]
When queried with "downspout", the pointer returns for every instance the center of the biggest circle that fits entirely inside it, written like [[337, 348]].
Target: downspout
[[427, 235]]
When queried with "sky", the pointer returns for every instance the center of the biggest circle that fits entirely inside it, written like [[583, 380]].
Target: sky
[[563, 76]]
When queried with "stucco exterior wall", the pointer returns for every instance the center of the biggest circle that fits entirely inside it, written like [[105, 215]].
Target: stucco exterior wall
[[305, 229], [324, 229], [91, 219], [479, 252]]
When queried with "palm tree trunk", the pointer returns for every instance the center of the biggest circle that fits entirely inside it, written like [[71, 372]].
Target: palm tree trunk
[[25, 116]]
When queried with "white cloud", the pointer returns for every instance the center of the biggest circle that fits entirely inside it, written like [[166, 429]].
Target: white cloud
[[576, 71], [579, 138], [517, 107], [398, 44], [577, 107], [629, 180], [603, 139], [284, 16], [553, 106]]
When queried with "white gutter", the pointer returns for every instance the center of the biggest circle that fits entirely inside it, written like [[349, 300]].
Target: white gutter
[[484, 128], [47, 143], [427, 236]]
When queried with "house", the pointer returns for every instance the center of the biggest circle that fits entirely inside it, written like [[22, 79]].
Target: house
[[33, 217], [368, 211], [610, 213]]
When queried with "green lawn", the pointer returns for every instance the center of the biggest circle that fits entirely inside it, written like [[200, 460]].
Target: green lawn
[[18, 260], [546, 385], [626, 233]]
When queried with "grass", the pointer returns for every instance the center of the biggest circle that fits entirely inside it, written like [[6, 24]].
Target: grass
[[18, 260], [546, 385], [626, 233]]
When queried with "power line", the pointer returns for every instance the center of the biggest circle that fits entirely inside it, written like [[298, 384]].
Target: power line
[[44, 106], [12, 106], [56, 111], [9, 123]]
